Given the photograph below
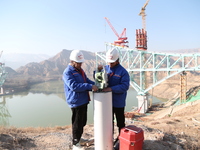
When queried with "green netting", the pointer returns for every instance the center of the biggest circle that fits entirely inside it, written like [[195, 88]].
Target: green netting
[[190, 98], [194, 97]]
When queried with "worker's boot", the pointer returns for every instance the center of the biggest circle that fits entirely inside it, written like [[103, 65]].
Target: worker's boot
[[116, 144], [78, 147]]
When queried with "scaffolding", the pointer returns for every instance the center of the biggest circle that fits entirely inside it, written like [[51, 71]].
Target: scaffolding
[[183, 85]]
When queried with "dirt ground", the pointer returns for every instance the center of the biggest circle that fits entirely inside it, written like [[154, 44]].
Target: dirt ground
[[166, 128]]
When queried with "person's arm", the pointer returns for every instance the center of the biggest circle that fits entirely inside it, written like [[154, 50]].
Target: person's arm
[[123, 85], [70, 81]]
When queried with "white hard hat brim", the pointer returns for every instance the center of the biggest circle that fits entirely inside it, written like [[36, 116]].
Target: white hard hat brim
[[80, 61], [110, 61]]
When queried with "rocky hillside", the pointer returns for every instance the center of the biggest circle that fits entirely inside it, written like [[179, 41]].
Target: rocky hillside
[[53, 67]]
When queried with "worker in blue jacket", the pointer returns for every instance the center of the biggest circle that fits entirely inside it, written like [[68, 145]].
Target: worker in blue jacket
[[77, 87], [118, 83]]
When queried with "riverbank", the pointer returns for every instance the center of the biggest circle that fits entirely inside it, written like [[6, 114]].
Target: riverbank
[[179, 130]]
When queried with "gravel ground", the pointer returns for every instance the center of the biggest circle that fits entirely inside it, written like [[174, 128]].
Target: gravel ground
[[177, 131]]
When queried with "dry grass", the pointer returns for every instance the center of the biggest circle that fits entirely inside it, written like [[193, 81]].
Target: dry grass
[[14, 130]]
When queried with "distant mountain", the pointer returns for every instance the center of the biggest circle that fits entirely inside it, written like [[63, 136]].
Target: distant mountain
[[189, 51], [194, 50], [16, 60], [53, 67]]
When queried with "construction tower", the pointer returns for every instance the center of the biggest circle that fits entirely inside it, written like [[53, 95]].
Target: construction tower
[[183, 83], [141, 34]]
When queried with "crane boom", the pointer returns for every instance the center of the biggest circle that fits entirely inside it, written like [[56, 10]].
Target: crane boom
[[112, 27], [122, 38], [145, 4], [123, 34]]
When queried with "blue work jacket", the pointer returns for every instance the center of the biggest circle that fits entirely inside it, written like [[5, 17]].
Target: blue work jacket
[[118, 81], [76, 89]]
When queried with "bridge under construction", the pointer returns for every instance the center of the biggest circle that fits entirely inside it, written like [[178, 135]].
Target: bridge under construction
[[149, 69]]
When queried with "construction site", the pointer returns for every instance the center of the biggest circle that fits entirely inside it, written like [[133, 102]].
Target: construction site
[[170, 125], [148, 69]]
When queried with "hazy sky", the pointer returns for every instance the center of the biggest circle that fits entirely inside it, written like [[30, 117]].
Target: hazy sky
[[48, 26]]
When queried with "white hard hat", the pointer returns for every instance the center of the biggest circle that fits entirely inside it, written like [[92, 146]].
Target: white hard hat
[[112, 55], [77, 56]]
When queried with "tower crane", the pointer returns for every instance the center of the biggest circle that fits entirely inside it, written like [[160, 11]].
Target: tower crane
[[121, 38], [143, 14]]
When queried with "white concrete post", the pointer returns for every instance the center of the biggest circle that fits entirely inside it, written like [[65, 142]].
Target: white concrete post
[[103, 128], [143, 104]]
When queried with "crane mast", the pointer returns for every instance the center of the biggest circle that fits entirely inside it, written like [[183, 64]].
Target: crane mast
[[143, 14]]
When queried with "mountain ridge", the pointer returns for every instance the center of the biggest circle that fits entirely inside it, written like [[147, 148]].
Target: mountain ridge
[[53, 67]]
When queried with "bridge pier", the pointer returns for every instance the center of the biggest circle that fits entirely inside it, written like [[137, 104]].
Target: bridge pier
[[148, 69], [143, 104]]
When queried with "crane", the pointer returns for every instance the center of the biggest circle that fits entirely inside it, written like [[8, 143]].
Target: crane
[[141, 41], [143, 14], [121, 38]]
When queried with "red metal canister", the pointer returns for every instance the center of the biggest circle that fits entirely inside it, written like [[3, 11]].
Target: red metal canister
[[131, 138]]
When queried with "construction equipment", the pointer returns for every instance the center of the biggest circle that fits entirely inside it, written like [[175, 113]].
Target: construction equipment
[[103, 125], [122, 39], [141, 34], [141, 39], [101, 79], [143, 14]]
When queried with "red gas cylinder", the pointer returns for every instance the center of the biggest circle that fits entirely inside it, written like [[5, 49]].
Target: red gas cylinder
[[131, 138]]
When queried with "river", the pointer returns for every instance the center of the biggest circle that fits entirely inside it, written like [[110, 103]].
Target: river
[[44, 106]]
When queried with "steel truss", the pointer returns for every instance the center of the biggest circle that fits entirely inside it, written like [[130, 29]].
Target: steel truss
[[148, 69]]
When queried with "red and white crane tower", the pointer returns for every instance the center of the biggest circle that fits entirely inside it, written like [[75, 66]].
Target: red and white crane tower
[[122, 39]]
